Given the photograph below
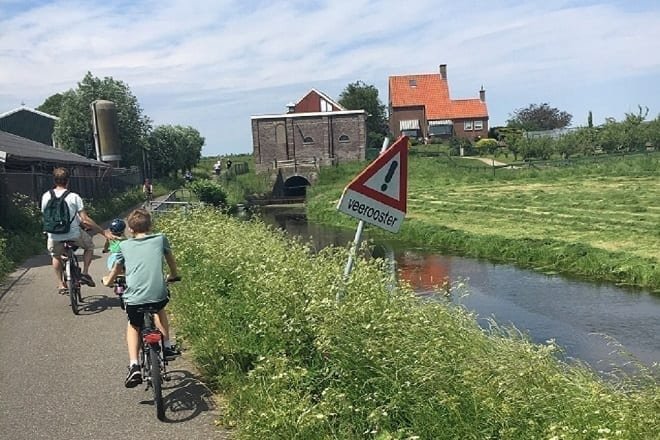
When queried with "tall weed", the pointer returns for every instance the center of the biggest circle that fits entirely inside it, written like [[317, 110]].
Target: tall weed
[[259, 314]]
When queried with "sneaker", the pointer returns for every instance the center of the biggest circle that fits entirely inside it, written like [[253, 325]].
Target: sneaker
[[86, 279], [171, 353], [134, 377]]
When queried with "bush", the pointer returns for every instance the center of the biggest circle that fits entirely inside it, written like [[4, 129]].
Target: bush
[[20, 233], [111, 206], [209, 192], [456, 143], [486, 146]]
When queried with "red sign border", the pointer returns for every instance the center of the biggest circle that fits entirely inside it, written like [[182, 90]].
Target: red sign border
[[358, 184]]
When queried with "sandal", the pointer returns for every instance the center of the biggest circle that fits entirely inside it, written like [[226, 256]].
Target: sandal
[[86, 279], [62, 290]]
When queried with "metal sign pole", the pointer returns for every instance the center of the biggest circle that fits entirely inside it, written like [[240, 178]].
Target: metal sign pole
[[356, 243]]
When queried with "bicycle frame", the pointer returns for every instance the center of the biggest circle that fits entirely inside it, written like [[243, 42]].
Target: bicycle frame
[[119, 288]]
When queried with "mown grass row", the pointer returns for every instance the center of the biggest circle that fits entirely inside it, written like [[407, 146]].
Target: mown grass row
[[595, 221], [258, 313]]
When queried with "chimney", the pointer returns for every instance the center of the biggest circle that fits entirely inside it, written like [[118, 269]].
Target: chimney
[[443, 71], [482, 94]]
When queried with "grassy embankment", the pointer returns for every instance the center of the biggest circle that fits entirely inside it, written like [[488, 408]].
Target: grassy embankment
[[258, 314], [599, 220]]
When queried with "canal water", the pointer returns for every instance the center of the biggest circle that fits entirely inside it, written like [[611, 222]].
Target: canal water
[[602, 325]]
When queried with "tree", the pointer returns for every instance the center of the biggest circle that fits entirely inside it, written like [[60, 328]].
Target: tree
[[360, 96], [190, 148], [173, 148], [541, 117], [575, 142], [631, 134], [53, 104], [73, 131], [635, 130], [508, 136]]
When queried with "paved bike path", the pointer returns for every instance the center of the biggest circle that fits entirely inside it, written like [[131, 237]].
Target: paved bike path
[[61, 375]]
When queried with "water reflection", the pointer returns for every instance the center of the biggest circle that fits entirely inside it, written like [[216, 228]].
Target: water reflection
[[585, 319], [424, 272]]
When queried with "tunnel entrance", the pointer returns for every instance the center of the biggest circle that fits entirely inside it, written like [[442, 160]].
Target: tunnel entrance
[[296, 186]]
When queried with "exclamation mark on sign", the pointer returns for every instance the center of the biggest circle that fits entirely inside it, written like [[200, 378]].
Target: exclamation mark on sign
[[389, 175]]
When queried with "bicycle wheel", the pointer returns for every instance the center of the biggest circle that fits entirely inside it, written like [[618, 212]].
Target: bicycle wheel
[[76, 270], [154, 360], [71, 284]]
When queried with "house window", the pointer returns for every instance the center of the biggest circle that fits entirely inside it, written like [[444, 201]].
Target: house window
[[344, 138], [325, 106], [412, 82], [413, 134], [478, 125], [440, 130], [468, 126], [308, 140]]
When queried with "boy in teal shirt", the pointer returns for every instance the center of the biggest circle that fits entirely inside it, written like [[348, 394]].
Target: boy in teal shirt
[[141, 259]]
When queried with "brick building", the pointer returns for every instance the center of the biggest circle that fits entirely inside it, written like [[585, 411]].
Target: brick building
[[316, 128], [420, 107]]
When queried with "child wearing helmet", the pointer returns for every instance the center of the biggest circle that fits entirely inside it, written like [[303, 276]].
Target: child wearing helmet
[[117, 227]]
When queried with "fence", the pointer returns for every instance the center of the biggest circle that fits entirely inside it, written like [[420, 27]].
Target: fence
[[312, 162], [180, 199], [34, 185], [238, 168]]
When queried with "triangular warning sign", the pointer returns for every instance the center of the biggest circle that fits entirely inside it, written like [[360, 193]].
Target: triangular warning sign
[[386, 178]]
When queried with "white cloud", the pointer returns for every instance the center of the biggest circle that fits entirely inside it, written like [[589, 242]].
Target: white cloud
[[180, 58]]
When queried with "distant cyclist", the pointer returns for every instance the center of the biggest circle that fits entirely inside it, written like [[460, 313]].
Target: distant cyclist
[[148, 189]]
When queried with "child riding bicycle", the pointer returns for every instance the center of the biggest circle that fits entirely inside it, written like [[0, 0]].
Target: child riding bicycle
[[141, 259], [117, 228]]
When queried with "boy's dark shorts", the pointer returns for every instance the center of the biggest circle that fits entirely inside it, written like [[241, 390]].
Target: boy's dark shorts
[[137, 318]]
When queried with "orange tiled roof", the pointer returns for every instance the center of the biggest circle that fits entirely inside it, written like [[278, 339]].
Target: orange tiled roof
[[431, 91], [469, 108]]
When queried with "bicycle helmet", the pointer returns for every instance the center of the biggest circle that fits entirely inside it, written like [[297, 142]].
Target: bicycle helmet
[[117, 226]]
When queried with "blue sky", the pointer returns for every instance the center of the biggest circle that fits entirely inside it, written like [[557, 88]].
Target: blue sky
[[212, 64]]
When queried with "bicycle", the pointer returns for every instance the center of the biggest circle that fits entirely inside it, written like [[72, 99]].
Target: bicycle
[[71, 274], [148, 198], [152, 361], [118, 288]]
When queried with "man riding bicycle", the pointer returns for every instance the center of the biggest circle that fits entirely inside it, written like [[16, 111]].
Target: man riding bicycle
[[77, 220], [148, 189]]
